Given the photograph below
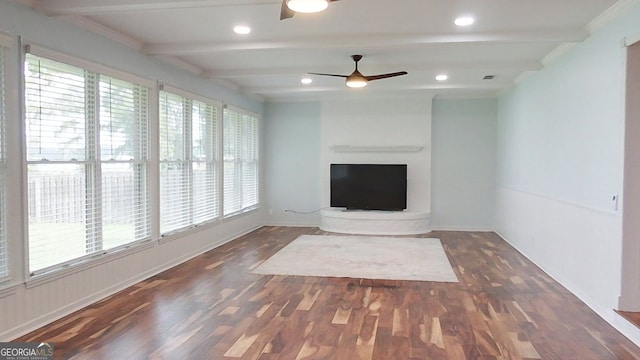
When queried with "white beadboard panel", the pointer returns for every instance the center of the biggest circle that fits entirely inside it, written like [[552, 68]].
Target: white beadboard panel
[[30, 308], [578, 246]]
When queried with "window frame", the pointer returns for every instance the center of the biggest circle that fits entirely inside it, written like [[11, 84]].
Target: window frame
[[187, 139], [5, 261], [95, 160], [238, 172]]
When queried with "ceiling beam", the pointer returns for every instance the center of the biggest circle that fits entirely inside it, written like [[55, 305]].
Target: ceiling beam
[[423, 67], [369, 41], [95, 7], [312, 89], [384, 95]]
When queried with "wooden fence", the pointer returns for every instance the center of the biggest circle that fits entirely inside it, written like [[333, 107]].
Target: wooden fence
[[63, 198]]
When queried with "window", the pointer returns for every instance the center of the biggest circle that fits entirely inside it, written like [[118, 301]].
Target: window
[[4, 263], [86, 140], [188, 169], [240, 139]]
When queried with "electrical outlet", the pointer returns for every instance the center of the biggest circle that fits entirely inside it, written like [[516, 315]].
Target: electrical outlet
[[270, 211]]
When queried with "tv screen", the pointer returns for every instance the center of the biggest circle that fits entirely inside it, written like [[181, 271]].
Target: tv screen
[[369, 186]]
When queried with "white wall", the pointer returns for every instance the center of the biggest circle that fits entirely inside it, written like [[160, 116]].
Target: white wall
[[26, 307], [560, 136], [380, 122], [298, 137], [292, 163], [463, 164], [463, 156]]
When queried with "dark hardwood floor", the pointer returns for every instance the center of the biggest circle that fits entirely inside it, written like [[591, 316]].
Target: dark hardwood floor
[[631, 316], [211, 307]]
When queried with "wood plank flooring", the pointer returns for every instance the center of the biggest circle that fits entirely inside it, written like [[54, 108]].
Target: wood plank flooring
[[211, 307]]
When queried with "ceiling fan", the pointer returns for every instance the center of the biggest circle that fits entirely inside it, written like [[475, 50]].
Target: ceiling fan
[[291, 7], [357, 80]]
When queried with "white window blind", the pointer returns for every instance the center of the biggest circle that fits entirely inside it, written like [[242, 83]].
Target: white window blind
[[4, 261], [240, 147], [123, 153], [86, 136], [188, 168]]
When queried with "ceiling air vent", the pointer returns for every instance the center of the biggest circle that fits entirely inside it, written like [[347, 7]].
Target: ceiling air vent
[[488, 77]]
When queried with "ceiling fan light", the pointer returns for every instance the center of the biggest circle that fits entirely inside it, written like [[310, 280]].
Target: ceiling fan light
[[464, 21], [356, 82], [242, 29], [307, 6]]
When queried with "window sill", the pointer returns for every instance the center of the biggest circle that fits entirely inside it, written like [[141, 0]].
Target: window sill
[[55, 274], [179, 234], [245, 212]]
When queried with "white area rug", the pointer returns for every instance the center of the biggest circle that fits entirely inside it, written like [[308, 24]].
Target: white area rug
[[366, 257]]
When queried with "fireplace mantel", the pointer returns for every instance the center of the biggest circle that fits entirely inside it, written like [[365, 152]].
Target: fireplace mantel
[[379, 148]]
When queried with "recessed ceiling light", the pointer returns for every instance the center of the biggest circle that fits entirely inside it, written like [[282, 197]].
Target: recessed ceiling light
[[442, 77], [464, 21], [242, 29], [306, 81]]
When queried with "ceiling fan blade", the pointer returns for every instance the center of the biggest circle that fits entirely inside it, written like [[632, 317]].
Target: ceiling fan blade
[[285, 12], [384, 76], [336, 75]]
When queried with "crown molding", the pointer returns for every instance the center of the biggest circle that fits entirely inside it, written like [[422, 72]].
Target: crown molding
[[557, 53], [523, 76], [85, 23], [619, 8]]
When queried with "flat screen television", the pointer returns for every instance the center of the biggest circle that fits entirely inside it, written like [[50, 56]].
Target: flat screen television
[[369, 186]]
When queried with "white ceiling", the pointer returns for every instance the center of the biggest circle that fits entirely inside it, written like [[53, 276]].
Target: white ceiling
[[509, 38]]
